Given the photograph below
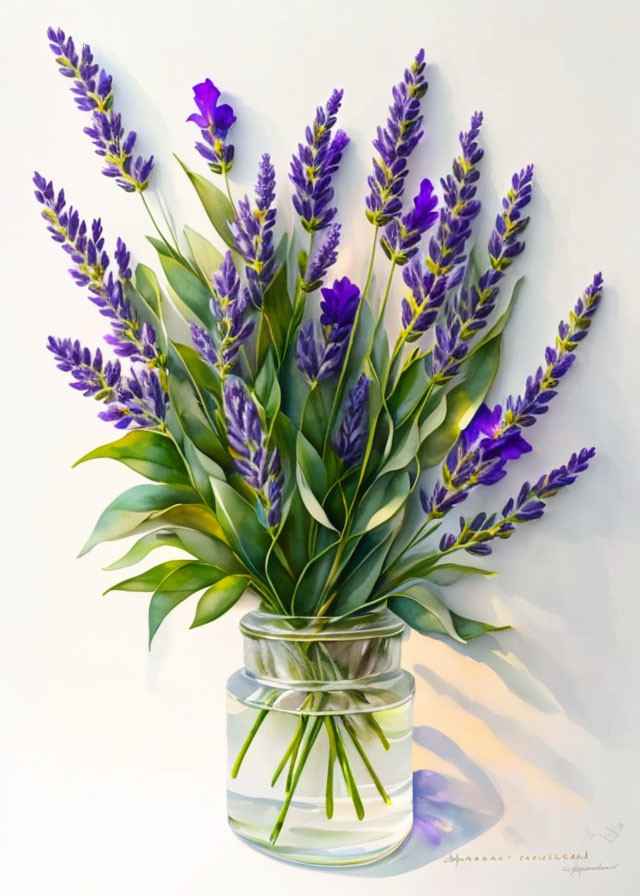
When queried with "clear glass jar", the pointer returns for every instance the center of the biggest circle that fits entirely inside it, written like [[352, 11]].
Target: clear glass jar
[[319, 725]]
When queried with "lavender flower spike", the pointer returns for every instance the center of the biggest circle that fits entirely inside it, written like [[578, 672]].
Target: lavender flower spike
[[314, 270], [401, 236], [231, 329], [470, 310], [140, 399], [395, 143], [352, 435], [89, 374], [319, 361], [214, 122], [253, 232], [85, 246], [258, 464], [92, 91], [446, 256], [540, 389], [528, 506], [312, 169]]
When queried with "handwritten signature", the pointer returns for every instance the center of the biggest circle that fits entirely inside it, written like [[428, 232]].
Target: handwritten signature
[[580, 869]]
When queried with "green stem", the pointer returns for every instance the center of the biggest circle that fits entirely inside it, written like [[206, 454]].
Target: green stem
[[304, 755], [155, 224], [371, 259], [374, 777], [333, 755], [262, 715], [347, 774], [228, 188]]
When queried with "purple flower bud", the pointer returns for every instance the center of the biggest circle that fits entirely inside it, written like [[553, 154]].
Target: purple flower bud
[[214, 122], [351, 437], [321, 359], [140, 399], [92, 91], [253, 232], [258, 464], [312, 169], [395, 143], [325, 257], [401, 236]]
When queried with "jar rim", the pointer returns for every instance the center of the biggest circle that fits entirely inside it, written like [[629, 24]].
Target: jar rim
[[377, 623]]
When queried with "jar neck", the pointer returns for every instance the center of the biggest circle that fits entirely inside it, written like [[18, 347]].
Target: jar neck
[[320, 650]]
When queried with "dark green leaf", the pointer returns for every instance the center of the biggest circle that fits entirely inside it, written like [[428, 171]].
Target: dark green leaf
[[133, 507], [149, 453], [176, 587], [267, 387], [275, 317], [147, 286], [190, 289], [243, 531], [219, 598], [311, 477], [423, 610], [217, 206], [151, 579], [448, 573], [471, 628]]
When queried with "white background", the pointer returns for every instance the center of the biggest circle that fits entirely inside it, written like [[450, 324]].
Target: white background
[[111, 759]]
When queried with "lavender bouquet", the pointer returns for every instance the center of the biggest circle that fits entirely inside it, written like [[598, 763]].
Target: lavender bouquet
[[300, 456]]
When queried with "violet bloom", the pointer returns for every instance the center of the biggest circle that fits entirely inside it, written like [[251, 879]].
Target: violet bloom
[[541, 388], [256, 463], [312, 169], [351, 437], [215, 121], [315, 269], [528, 506], [446, 255], [92, 91], [130, 337], [402, 235], [469, 311], [395, 143], [231, 328], [321, 359], [89, 374], [253, 232], [140, 400]]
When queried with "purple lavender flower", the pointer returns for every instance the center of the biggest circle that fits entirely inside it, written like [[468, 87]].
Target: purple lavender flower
[[256, 463], [319, 360], [89, 374], [469, 311], [92, 91], [528, 506], [395, 143], [231, 328], [314, 273], [352, 435], [478, 457], [253, 232], [312, 169], [541, 388], [214, 122], [85, 246], [401, 236], [140, 399], [446, 255]]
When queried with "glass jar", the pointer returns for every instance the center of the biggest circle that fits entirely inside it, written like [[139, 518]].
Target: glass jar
[[319, 725]]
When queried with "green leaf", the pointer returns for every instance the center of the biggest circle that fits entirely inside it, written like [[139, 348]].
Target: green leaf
[[176, 587], [462, 402], [275, 317], [151, 579], [190, 289], [382, 501], [311, 478], [433, 415], [134, 506], [471, 628], [363, 571], [502, 321], [448, 573], [241, 526], [191, 516], [411, 389], [160, 247], [405, 451], [217, 206], [219, 598], [202, 547], [147, 286], [204, 253], [422, 609], [188, 408], [267, 387], [149, 453], [205, 378]]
